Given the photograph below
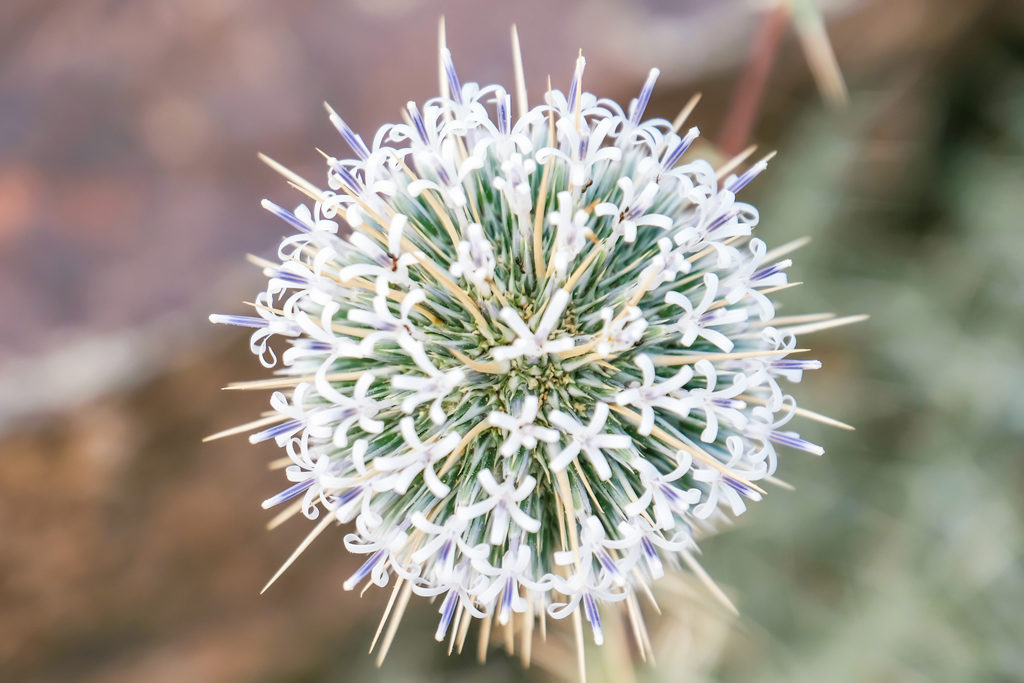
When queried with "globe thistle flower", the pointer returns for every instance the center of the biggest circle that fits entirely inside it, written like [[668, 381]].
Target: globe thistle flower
[[529, 357]]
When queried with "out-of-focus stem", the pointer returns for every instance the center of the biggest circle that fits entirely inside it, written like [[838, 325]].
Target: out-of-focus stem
[[746, 99]]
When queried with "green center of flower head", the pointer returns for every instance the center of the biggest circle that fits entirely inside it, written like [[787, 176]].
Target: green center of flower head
[[543, 378], [540, 359]]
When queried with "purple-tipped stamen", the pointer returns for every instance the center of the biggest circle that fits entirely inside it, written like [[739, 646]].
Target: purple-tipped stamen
[[349, 180], [288, 493], [417, 122], [505, 607], [742, 489], [447, 610], [577, 75], [353, 140], [429, 162], [772, 270], [673, 495], [504, 113], [443, 176], [364, 570], [794, 441], [238, 320], [651, 554], [312, 345], [796, 364], [282, 429], [453, 79], [680, 148], [645, 96], [739, 183], [285, 215], [292, 278], [608, 563], [349, 496], [446, 549], [590, 610], [711, 316], [734, 403], [722, 220]]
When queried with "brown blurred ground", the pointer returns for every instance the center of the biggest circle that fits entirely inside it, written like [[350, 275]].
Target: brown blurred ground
[[129, 194]]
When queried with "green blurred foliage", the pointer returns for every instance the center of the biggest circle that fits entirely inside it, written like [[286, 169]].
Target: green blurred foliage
[[899, 556]]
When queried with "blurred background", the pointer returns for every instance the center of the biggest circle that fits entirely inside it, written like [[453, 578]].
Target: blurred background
[[129, 194]]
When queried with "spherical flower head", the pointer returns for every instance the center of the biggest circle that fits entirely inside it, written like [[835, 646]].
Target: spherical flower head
[[529, 357]]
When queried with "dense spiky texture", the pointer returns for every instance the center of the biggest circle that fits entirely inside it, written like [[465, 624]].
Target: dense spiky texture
[[542, 359]]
